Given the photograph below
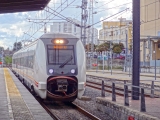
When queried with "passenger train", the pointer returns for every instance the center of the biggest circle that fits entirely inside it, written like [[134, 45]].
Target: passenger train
[[54, 67]]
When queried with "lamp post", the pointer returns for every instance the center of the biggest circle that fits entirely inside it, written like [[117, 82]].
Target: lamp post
[[111, 55], [155, 52]]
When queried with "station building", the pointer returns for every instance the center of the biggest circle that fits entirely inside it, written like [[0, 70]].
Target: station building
[[67, 27], [116, 32], [150, 32]]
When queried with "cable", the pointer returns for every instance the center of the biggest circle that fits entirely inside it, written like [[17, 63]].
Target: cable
[[114, 7], [108, 17], [63, 16], [50, 14], [104, 4], [54, 16]]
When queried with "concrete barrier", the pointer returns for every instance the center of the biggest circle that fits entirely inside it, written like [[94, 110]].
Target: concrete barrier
[[120, 112]]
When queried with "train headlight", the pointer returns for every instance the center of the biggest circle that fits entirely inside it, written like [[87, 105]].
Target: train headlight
[[59, 41], [73, 71], [50, 71]]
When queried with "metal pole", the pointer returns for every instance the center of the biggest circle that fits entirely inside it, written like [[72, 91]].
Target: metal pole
[[155, 63], [129, 67], [103, 60], [126, 53], [2, 57], [92, 32], [136, 49], [111, 56], [97, 63], [108, 60]]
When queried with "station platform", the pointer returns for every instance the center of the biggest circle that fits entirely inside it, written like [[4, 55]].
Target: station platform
[[122, 76], [126, 73], [16, 102], [117, 109]]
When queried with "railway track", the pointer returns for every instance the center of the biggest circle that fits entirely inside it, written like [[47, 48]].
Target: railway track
[[49, 108], [126, 74], [97, 86], [52, 109], [119, 90]]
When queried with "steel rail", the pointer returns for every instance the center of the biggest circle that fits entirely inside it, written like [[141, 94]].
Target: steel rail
[[86, 113], [106, 90], [48, 110], [110, 91]]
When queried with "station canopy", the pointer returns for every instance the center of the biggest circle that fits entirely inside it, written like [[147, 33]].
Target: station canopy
[[10, 6]]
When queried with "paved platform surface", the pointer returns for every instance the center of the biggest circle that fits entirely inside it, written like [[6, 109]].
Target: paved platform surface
[[123, 77], [152, 105], [126, 73], [16, 101]]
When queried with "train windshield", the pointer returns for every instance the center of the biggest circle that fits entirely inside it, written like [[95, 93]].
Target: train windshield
[[59, 54]]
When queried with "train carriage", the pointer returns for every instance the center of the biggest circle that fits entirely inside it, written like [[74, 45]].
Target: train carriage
[[53, 66]]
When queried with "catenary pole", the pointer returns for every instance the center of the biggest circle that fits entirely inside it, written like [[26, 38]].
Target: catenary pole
[[136, 49]]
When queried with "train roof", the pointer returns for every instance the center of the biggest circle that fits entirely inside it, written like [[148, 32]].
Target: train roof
[[57, 35]]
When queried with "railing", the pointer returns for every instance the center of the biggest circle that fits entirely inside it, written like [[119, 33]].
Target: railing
[[126, 93]]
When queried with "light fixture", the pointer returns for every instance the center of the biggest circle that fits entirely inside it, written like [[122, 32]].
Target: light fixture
[[59, 41], [73, 71], [50, 71]]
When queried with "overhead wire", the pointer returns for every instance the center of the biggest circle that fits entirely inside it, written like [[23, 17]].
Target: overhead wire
[[50, 15], [54, 16], [114, 7], [108, 17], [104, 4]]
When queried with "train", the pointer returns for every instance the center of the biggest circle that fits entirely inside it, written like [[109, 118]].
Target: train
[[53, 67]]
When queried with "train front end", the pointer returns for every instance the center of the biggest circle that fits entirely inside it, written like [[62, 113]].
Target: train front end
[[65, 67]]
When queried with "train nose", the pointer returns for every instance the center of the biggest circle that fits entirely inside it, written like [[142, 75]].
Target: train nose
[[62, 88]]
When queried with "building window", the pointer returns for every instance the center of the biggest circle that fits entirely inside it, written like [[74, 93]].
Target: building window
[[74, 28], [59, 27], [106, 34], [65, 27]]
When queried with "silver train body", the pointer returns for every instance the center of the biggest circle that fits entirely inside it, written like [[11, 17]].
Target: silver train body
[[54, 66]]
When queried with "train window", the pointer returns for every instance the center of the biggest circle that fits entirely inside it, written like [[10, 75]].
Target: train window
[[58, 55]]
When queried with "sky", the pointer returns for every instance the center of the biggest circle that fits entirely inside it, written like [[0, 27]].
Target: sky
[[22, 26]]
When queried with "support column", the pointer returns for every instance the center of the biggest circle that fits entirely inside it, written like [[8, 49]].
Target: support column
[[136, 49]]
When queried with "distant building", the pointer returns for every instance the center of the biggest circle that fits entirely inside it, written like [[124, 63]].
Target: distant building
[[116, 31], [67, 27], [150, 32]]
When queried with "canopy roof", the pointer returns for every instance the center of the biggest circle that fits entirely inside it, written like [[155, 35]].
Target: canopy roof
[[10, 6]]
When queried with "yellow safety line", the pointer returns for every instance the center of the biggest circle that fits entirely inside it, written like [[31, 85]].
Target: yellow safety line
[[12, 89], [12, 95], [8, 98]]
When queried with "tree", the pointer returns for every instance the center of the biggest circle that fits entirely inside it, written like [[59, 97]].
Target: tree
[[8, 60], [117, 50], [121, 45], [17, 46], [118, 47], [103, 47], [88, 47]]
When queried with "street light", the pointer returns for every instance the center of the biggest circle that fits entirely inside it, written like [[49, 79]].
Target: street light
[[155, 52], [111, 46]]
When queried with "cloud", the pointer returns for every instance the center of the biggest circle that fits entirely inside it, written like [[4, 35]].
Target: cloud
[[13, 25]]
